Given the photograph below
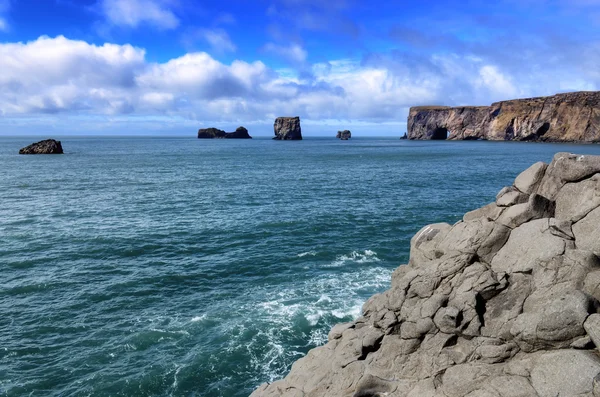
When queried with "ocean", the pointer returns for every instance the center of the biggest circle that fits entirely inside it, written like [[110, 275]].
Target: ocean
[[186, 267]]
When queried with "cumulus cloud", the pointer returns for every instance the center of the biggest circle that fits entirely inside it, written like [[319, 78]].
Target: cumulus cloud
[[72, 77], [132, 13]]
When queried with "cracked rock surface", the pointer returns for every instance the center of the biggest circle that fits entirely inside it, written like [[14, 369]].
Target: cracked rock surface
[[502, 304]]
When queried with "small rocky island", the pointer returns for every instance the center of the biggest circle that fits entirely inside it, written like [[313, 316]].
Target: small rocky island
[[504, 303], [215, 133], [287, 129], [47, 146], [344, 135], [570, 117]]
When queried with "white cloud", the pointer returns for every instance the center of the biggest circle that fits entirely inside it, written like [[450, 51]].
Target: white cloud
[[132, 13], [293, 53], [218, 39], [56, 74]]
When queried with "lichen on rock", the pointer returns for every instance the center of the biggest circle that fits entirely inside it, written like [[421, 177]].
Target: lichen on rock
[[503, 303]]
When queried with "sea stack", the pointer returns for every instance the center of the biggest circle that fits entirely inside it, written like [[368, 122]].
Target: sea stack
[[47, 146], [344, 135], [287, 129], [570, 117], [503, 303], [215, 133]]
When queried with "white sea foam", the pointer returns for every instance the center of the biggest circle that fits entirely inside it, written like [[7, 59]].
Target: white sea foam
[[366, 256], [198, 318], [309, 253]]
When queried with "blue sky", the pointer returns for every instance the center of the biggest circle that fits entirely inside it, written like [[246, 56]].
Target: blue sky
[[173, 66]]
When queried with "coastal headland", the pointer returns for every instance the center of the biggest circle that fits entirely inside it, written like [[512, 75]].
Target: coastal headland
[[569, 117]]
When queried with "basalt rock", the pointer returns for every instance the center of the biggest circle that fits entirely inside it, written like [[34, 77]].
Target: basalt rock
[[48, 146], [503, 303], [287, 129], [215, 133], [344, 135], [570, 117]]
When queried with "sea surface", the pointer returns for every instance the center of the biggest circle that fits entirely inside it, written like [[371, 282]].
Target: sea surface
[[186, 267]]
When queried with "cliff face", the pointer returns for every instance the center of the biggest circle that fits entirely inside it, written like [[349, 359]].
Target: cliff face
[[571, 117], [504, 303]]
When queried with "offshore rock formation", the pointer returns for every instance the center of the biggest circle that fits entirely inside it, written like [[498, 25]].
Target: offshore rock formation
[[344, 135], [501, 304], [214, 133], [48, 146], [287, 129], [571, 117]]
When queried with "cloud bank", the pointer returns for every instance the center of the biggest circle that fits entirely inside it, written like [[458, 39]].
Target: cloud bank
[[72, 77]]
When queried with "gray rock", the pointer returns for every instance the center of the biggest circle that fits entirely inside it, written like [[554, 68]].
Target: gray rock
[[490, 212], [567, 167], [592, 327], [565, 373], [535, 208], [596, 386], [526, 245], [575, 200], [587, 232], [287, 129], [529, 180], [511, 196]]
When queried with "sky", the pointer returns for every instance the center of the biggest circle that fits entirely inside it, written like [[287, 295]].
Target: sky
[[169, 67]]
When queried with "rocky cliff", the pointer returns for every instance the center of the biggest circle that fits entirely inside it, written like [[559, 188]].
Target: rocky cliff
[[215, 133], [287, 129], [501, 304], [48, 146], [570, 117]]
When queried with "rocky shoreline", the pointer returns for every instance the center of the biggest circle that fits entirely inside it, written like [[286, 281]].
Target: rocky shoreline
[[501, 304], [570, 117]]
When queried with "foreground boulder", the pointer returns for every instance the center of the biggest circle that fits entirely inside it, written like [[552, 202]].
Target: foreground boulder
[[287, 129], [215, 133], [501, 304], [344, 135], [48, 146], [570, 117]]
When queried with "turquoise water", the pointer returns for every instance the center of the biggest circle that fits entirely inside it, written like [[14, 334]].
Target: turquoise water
[[185, 267]]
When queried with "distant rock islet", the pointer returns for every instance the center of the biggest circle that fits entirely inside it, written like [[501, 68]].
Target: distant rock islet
[[47, 146]]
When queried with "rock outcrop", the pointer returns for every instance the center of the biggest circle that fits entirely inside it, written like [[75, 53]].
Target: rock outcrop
[[501, 304], [570, 117], [287, 129], [47, 146], [344, 135], [214, 133]]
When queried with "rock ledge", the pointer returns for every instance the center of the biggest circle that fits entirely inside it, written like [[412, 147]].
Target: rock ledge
[[501, 304]]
